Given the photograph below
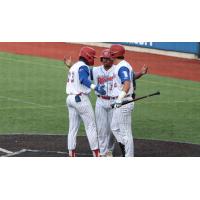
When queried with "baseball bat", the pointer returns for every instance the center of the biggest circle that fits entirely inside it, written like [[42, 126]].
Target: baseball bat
[[138, 98]]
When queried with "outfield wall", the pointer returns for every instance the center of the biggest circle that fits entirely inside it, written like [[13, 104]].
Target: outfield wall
[[174, 49], [185, 47]]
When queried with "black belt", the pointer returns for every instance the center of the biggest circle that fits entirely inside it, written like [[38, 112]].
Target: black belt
[[107, 97], [112, 98]]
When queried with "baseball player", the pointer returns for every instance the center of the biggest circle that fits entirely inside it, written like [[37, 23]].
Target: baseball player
[[123, 90], [104, 75], [79, 106]]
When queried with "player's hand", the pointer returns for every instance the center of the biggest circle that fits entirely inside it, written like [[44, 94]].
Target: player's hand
[[144, 70], [100, 89], [118, 103], [68, 61]]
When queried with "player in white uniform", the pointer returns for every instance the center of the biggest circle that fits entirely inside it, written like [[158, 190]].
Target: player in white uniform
[[123, 90], [79, 106], [103, 75]]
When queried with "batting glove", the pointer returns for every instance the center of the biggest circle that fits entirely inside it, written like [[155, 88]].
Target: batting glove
[[118, 103], [100, 89]]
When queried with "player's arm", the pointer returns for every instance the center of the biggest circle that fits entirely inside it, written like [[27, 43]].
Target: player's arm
[[142, 72], [68, 62], [124, 75], [84, 73]]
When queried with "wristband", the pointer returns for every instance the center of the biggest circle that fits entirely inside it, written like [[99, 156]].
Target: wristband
[[121, 95], [92, 86]]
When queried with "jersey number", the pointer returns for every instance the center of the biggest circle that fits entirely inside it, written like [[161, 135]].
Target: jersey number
[[70, 77], [125, 74], [111, 86]]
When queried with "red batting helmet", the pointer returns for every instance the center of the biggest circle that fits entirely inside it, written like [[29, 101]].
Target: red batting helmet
[[106, 54], [117, 50], [89, 54]]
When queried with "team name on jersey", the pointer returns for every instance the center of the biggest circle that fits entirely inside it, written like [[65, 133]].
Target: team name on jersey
[[104, 79]]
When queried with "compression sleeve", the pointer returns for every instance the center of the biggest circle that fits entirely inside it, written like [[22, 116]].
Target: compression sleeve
[[91, 74], [124, 74], [84, 74]]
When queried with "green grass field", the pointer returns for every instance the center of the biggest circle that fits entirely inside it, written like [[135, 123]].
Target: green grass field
[[32, 99]]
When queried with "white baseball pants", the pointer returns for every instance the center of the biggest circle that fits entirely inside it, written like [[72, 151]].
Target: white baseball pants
[[104, 114], [81, 111], [121, 127]]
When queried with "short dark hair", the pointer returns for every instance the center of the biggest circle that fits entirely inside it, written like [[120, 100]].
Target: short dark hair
[[120, 57], [84, 60], [101, 59]]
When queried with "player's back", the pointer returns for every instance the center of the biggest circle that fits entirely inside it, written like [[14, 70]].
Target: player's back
[[74, 85]]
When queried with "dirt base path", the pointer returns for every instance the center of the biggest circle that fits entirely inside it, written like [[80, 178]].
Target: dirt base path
[[188, 69], [55, 146]]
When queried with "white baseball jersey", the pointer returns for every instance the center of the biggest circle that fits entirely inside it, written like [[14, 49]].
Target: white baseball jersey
[[103, 110], [73, 83], [104, 77]]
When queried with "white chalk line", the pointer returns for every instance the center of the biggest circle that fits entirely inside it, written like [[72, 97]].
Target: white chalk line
[[5, 151], [30, 150], [11, 154]]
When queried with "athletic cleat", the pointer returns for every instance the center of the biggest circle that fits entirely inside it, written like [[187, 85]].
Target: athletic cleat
[[109, 154], [96, 153], [103, 156], [72, 153], [122, 147]]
